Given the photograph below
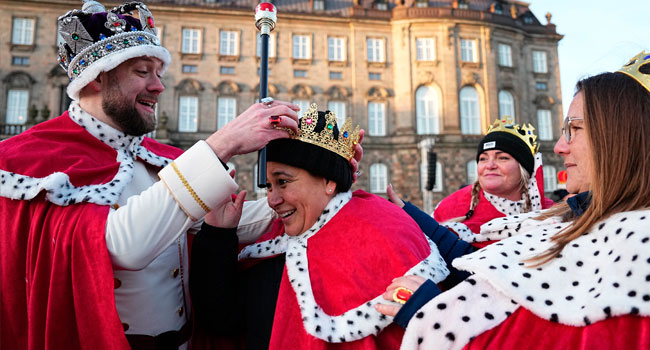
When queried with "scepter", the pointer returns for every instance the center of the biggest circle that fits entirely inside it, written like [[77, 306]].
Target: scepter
[[265, 19]]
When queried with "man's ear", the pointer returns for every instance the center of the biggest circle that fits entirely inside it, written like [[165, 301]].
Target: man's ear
[[96, 85]]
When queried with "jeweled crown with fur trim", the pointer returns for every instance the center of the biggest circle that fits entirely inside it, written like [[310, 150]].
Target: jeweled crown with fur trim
[[525, 132], [347, 138], [639, 69], [96, 40]]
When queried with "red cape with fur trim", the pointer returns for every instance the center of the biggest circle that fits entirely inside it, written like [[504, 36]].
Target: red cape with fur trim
[[622, 332], [351, 260], [55, 271]]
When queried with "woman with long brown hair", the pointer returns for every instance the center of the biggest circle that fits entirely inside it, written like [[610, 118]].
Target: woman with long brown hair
[[579, 276]]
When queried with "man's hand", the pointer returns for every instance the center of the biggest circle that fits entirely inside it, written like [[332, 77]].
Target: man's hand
[[252, 130]]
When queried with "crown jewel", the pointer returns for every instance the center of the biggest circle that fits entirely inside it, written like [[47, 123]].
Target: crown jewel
[[639, 69], [347, 138], [526, 132], [86, 42]]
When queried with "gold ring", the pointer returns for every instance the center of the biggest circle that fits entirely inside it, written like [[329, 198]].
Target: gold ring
[[401, 295]]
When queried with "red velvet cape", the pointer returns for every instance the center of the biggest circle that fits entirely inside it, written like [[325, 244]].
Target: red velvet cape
[[352, 259], [55, 271], [622, 332]]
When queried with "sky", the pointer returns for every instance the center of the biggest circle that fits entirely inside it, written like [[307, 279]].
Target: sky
[[599, 36]]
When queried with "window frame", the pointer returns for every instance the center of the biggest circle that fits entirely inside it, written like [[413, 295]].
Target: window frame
[[191, 37], [377, 122], [226, 110], [188, 110], [471, 50], [544, 124], [13, 112], [23, 40], [506, 108], [540, 62], [427, 111], [228, 46], [336, 106], [505, 55], [303, 46], [378, 48], [470, 124], [425, 49], [378, 177]]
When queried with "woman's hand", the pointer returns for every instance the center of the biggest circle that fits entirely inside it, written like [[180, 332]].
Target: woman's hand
[[411, 282], [358, 154], [227, 215], [393, 197]]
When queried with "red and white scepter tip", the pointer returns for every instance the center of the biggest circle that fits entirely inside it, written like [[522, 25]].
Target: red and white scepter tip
[[265, 17]]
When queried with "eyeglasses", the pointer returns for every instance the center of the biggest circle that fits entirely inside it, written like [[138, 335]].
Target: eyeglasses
[[566, 129]]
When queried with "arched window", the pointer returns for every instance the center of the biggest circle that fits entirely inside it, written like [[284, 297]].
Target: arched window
[[550, 178], [376, 119], [427, 102], [378, 178], [226, 110], [338, 108], [470, 113], [472, 174], [506, 105], [304, 106]]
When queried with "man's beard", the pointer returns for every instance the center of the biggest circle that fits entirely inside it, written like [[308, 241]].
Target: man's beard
[[124, 114]]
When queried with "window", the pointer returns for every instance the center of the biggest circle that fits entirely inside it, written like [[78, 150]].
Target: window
[[375, 50], [424, 171], [539, 62], [498, 9], [470, 117], [299, 73], [189, 68], [338, 108], [378, 178], [20, 61], [421, 3], [505, 55], [425, 49], [427, 110], [17, 101], [336, 49], [506, 104], [301, 47], [228, 43], [303, 104], [544, 127], [462, 4], [376, 119], [472, 175], [272, 45], [336, 75], [23, 31], [319, 5], [188, 114], [541, 86], [381, 5], [191, 41], [468, 50], [550, 178], [227, 70], [528, 18], [374, 76], [226, 110]]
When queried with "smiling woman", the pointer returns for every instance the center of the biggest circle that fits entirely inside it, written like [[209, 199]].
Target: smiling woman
[[316, 276]]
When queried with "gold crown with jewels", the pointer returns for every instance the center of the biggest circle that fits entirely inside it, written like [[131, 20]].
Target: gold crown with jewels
[[525, 132], [347, 139], [639, 69]]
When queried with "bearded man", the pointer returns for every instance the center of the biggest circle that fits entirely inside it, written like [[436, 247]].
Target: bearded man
[[94, 245]]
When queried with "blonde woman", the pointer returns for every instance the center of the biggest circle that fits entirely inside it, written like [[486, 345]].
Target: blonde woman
[[579, 276]]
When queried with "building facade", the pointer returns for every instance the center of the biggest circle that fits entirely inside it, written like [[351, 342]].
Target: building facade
[[420, 77]]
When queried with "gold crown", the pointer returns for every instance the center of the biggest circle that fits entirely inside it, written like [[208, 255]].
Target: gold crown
[[639, 69], [525, 132], [344, 146]]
